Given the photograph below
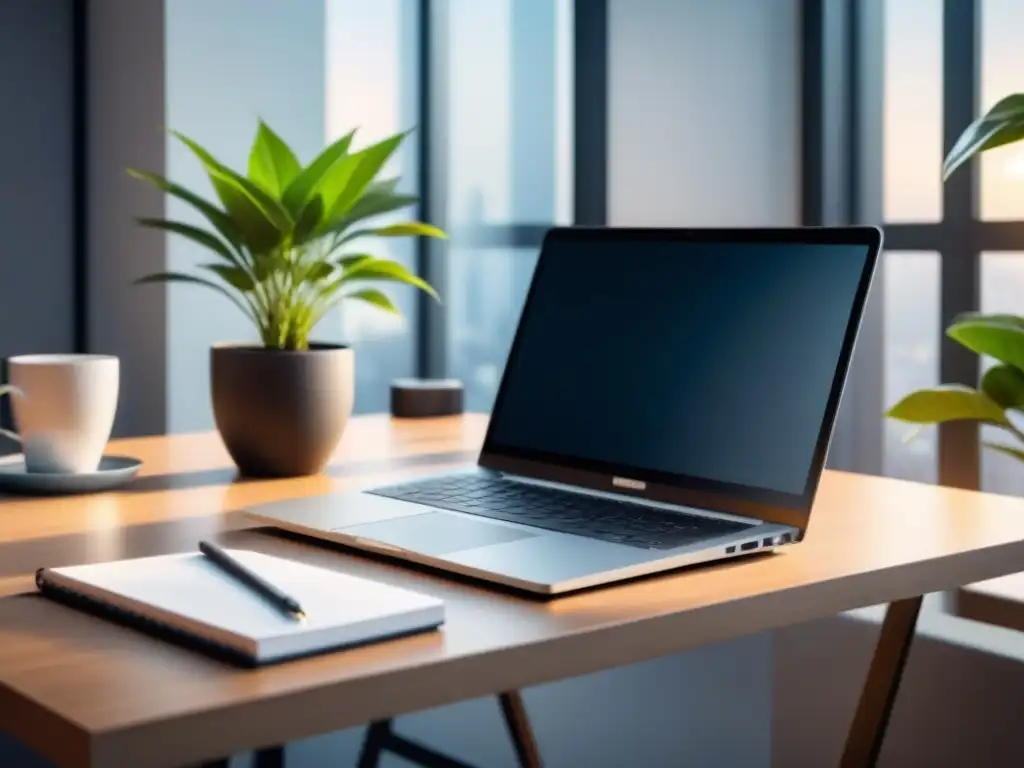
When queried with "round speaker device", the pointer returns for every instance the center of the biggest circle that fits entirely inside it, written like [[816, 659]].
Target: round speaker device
[[423, 398]]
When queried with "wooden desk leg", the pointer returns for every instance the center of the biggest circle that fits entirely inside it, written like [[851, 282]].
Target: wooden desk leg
[[519, 729], [864, 742], [380, 738]]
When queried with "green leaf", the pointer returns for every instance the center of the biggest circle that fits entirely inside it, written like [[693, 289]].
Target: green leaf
[[309, 220], [233, 276], [1002, 124], [402, 229], [1001, 340], [369, 205], [1015, 453], [341, 195], [346, 262], [991, 319], [381, 269], [180, 277], [411, 229], [949, 402], [195, 234], [302, 188], [319, 271], [272, 164], [220, 220], [375, 297], [1004, 384], [262, 221]]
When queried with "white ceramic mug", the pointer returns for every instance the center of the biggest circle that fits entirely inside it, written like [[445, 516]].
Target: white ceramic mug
[[64, 408]]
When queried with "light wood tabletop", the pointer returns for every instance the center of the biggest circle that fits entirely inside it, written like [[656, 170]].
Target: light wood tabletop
[[85, 692]]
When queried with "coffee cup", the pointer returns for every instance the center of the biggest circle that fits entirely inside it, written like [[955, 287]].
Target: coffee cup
[[64, 408]]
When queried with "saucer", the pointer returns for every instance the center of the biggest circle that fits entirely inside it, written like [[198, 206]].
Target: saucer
[[113, 471]]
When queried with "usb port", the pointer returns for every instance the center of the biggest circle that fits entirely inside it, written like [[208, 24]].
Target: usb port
[[748, 546], [768, 542], [730, 550]]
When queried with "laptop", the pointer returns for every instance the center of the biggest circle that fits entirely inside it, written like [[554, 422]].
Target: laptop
[[668, 400]]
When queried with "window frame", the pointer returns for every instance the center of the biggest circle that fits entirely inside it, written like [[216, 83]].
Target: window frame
[[590, 120], [842, 49]]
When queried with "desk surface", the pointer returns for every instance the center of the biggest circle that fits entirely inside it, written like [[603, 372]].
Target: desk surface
[[86, 692]]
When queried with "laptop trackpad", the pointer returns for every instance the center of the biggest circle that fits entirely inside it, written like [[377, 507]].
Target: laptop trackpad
[[436, 533]]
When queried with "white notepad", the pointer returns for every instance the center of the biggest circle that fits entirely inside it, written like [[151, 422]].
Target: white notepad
[[190, 597]]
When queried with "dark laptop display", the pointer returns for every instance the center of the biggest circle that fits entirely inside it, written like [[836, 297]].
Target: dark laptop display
[[712, 365]]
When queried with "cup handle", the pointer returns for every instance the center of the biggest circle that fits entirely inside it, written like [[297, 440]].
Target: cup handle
[[10, 389]]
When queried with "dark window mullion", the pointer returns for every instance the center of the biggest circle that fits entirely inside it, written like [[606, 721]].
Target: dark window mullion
[[999, 236], [914, 237], [590, 112], [959, 461], [432, 333]]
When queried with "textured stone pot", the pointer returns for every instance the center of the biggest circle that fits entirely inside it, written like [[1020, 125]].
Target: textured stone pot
[[281, 413]]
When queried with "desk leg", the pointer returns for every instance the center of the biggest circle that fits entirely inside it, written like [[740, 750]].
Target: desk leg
[[514, 710], [380, 738], [269, 757], [864, 742]]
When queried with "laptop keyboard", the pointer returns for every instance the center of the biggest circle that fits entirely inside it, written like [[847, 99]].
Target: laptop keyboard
[[593, 517]]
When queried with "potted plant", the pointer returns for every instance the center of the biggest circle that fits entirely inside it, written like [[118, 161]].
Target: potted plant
[[288, 243], [999, 336]]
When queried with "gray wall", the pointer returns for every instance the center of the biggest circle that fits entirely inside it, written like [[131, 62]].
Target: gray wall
[[959, 704], [704, 121], [228, 64], [125, 114], [36, 224]]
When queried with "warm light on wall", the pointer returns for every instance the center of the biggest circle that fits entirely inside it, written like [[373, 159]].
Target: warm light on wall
[[1015, 166]]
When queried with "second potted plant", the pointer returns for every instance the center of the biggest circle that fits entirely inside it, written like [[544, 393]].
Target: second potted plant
[[288, 243]]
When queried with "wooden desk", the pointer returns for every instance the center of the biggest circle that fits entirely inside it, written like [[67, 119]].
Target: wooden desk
[[999, 602], [88, 693]]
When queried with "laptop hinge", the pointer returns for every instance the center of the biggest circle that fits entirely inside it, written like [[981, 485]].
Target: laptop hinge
[[630, 498]]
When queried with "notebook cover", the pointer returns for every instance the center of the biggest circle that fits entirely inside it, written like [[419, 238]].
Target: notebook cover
[[162, 631]]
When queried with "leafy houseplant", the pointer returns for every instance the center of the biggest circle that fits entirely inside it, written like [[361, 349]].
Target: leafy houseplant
[[288, 243], [999, 336]]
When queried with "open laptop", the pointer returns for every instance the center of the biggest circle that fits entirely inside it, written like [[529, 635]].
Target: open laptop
[[669, 399]]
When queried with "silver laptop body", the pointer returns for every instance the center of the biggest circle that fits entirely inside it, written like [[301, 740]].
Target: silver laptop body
[[668, 400]]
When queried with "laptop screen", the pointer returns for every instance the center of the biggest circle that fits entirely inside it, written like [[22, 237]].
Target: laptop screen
[[699, 362]]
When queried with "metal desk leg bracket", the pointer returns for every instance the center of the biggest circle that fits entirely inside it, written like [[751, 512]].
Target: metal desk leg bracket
[[864, 742], [380, 737]]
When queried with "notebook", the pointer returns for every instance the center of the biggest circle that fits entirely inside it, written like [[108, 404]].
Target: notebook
[[186, 598]]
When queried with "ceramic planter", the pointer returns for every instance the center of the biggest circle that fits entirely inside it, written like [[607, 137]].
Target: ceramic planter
[[281, 413]]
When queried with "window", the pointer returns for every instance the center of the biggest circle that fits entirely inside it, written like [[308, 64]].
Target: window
[[912, 111], [488, 88], [922, 72], [911, 356], [372, 85], [509, 172], [1002, 73]]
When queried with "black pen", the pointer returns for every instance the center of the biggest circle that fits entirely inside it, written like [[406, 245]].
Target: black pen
[[287, 605]]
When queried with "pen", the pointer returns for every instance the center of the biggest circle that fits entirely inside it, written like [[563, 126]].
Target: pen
[[287, 605]]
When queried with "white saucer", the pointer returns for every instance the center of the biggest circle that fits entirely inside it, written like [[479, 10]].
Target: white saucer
[[113, 471]]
